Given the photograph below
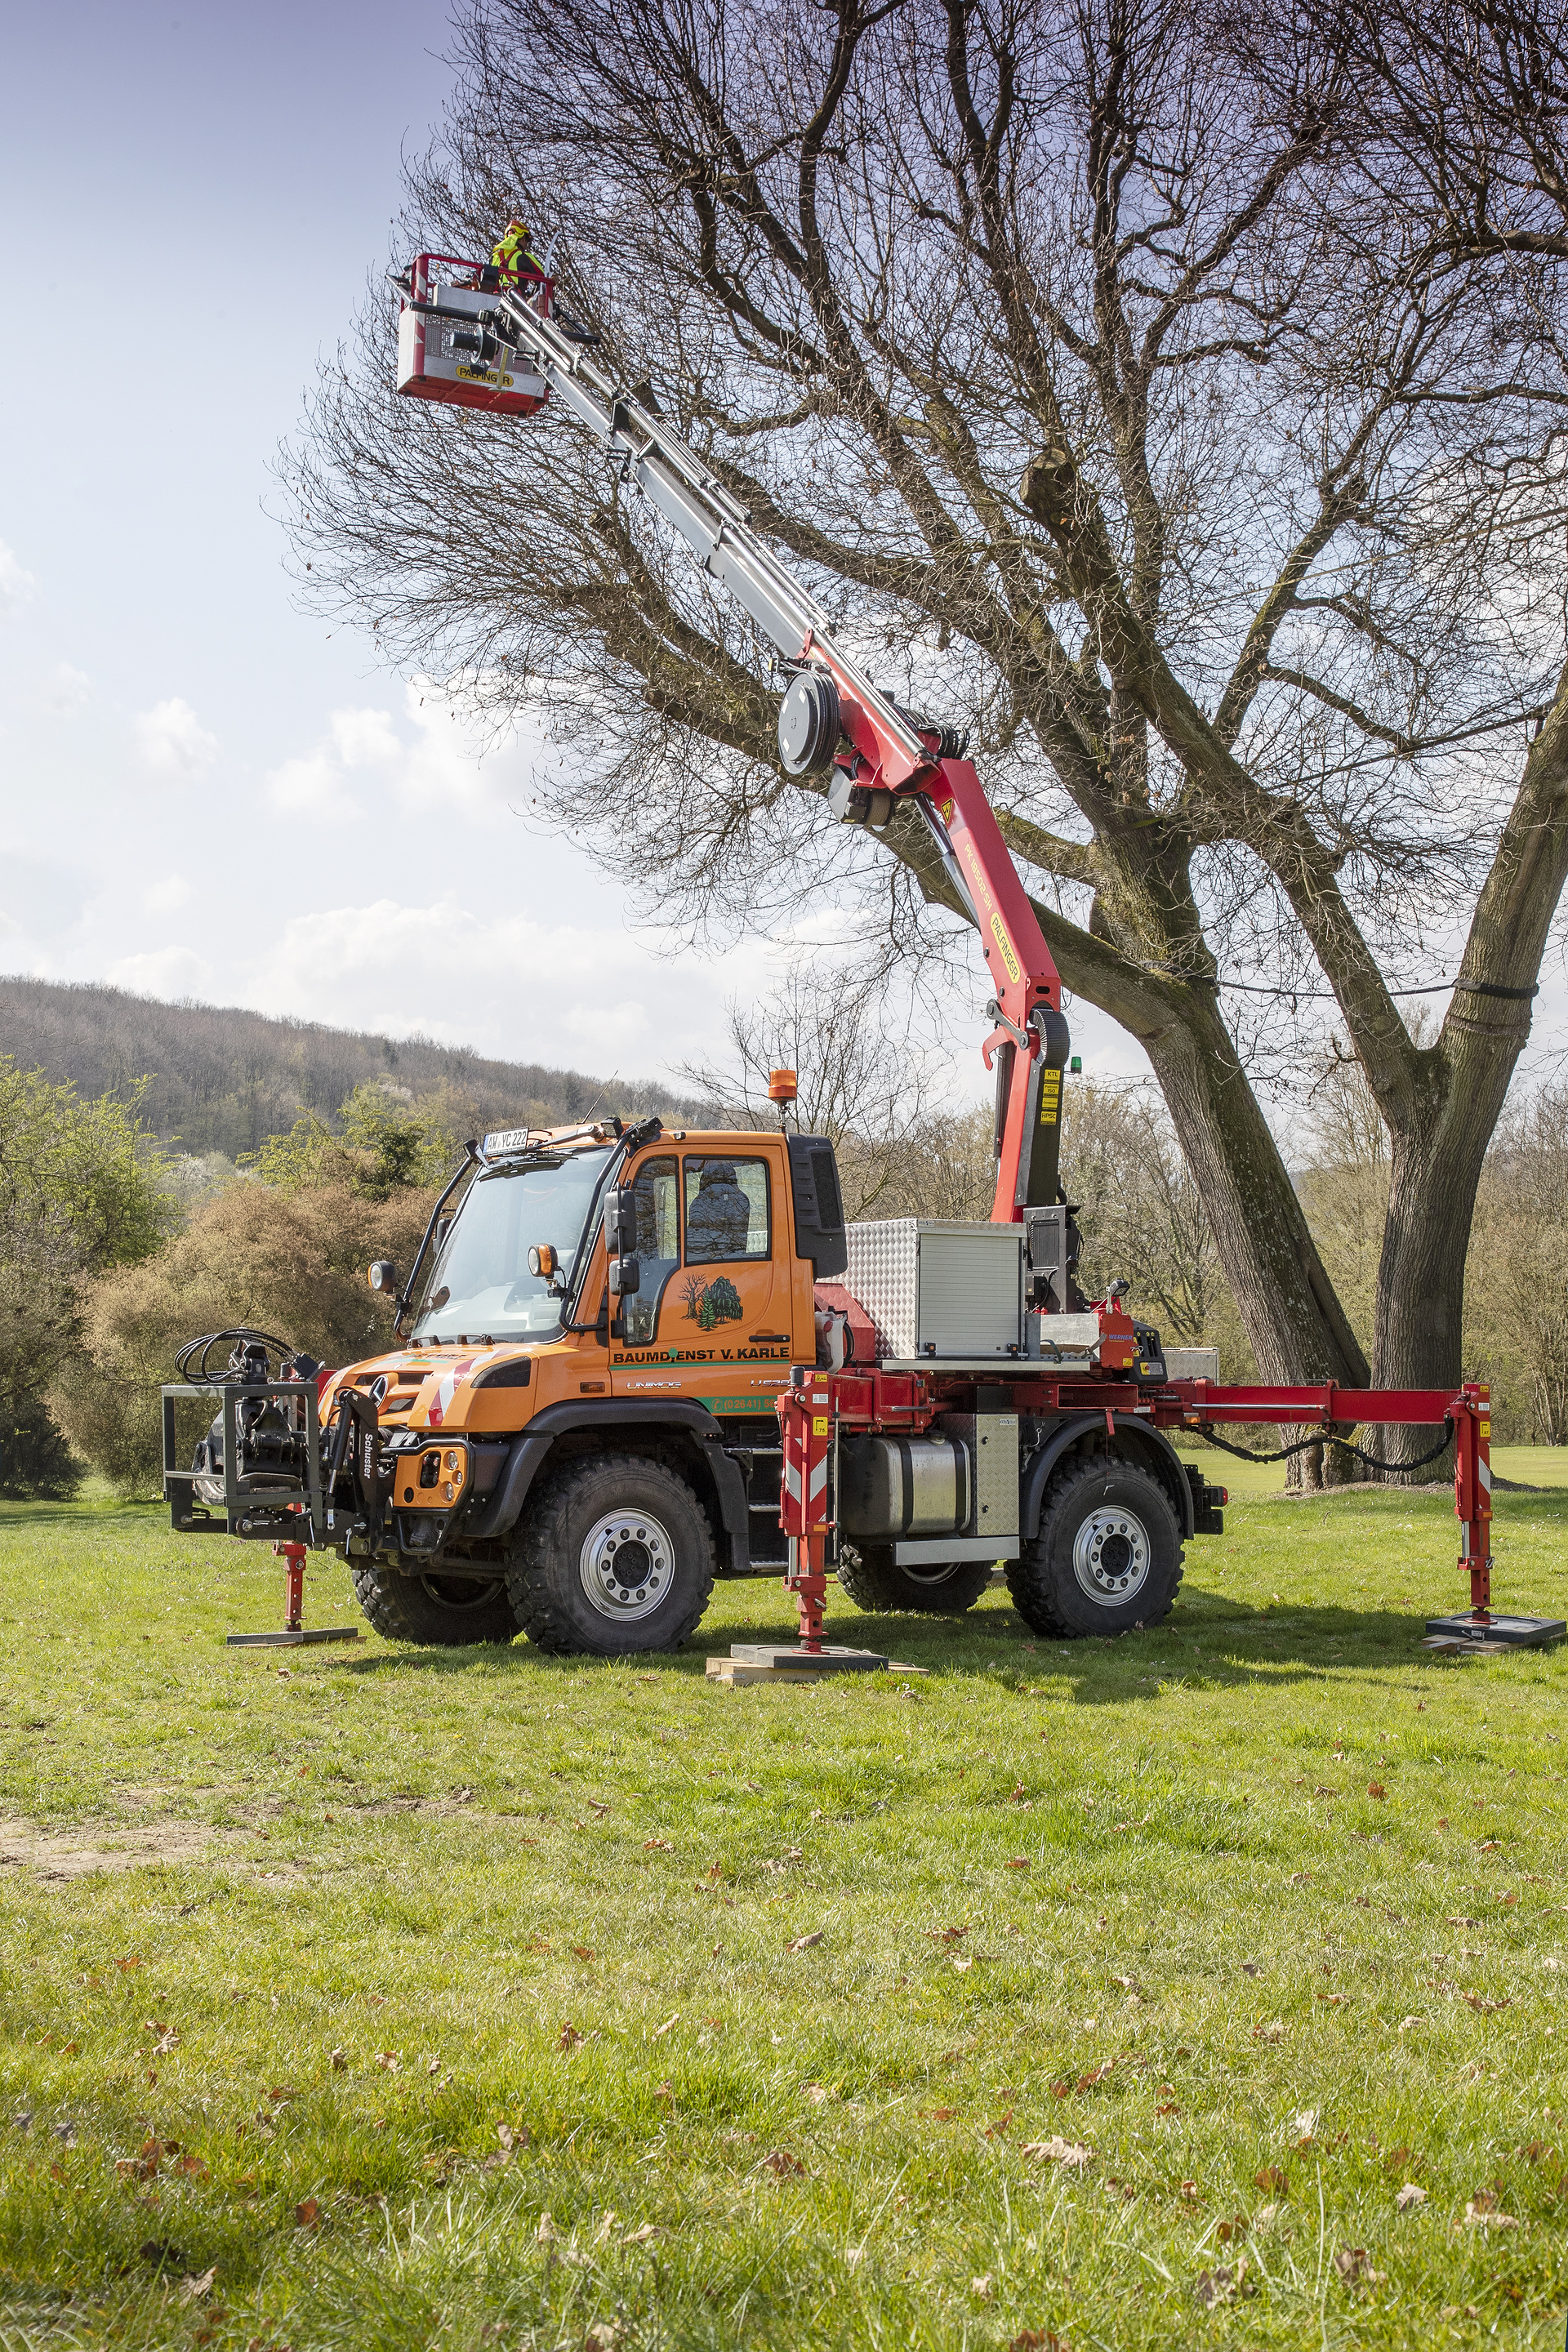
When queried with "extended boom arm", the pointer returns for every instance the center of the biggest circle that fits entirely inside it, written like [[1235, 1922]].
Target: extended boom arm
[[891, 755]]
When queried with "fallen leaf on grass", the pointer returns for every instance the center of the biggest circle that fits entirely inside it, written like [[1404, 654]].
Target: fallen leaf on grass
[[780, 2161], [194, 2168], [388, 2061], [994, 2131], [308, 2212], [981, 2287], [1375, 1789], [193, 2287], [582, 1952], [1410, 2195], [569, 2038], [1271, 2177], [658, 1845], [804, 1943], [946, 1935], [1224, 2283], [1300, 1877], [168, 2037], [1352, 2267], [143, 2165], [1039, 2339], [1274, 2031], [1483, 2212], [1019, 1861], [338, 2061], [1056, 2150], [942, 2114], [1486, 2007], [669, 2023], [642, 2237], [961, 1965], [546, 2232]]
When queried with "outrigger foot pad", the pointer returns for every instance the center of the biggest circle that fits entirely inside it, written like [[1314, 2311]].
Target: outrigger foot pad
[[1492, 1632], [291, 1639], [795, 1658]]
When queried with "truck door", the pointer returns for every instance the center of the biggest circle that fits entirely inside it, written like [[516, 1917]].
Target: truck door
[[707, 1316]]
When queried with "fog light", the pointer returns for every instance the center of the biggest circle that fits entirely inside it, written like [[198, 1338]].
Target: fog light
[[449, 1490]]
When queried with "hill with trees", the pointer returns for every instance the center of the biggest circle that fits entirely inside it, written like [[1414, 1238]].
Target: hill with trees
[[221, 1079]]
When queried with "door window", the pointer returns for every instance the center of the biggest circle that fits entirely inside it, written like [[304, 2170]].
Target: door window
[[657, 1193], [726, 1211]]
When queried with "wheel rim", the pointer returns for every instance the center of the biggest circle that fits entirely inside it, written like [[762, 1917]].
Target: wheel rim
[[458, 1592], [942, 1574], [1111, 1554], [627, 1565]]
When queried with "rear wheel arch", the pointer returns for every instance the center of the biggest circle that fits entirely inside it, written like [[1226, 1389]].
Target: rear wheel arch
[[1136, 1441]]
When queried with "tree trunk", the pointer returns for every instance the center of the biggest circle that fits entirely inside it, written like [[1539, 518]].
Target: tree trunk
[[1296, 1325], [1442, 1125]]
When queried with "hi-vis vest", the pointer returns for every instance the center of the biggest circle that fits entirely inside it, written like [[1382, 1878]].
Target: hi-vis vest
[[512, 254]]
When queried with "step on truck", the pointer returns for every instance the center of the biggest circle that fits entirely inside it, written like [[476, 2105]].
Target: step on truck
[[634, 1359]]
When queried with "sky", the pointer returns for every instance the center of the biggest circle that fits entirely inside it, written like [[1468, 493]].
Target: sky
[[208, 793]]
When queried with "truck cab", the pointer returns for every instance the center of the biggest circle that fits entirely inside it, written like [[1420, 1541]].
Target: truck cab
[[578, 1430]]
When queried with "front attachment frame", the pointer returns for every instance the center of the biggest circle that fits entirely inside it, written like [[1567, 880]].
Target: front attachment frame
[[283, 1509]]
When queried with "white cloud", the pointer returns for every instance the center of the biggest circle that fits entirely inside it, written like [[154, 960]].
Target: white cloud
[[163, 972], [167, 896], [17, 587], [364, 760], [172, 742], [513, 985], [70, 690]]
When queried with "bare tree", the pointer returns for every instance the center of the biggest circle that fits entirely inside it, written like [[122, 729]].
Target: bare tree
[[868, 1091], [1083, 362]]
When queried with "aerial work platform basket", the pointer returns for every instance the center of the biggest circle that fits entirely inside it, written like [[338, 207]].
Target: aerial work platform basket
[[440, 347]]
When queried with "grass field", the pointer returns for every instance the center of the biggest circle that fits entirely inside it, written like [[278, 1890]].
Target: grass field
[[1201, 1988]]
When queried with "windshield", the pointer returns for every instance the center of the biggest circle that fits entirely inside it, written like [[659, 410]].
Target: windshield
[[480, 1284]]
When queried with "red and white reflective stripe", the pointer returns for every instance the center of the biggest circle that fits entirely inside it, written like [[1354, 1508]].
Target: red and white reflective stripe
[[452, 1381]]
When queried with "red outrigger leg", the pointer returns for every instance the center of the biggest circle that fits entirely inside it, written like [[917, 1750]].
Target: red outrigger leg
[[1473, 1493], [293, 1556], [806, 1419]]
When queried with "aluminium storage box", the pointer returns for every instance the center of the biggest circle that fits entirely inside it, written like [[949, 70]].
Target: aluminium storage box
[[936, 1287]]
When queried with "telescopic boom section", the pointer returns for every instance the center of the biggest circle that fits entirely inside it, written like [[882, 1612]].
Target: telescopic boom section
[[833, 716]]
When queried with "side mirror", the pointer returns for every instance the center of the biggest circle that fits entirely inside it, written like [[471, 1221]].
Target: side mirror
[[382, 1277], [626, 1277], [621, 1221]]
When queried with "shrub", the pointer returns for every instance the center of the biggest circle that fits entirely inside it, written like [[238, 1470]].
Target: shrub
[[290, 1264]]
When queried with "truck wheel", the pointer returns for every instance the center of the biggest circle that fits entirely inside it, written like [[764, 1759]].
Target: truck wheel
[[614, 1555], [1108, 1556], [873, 1580], [447, 1610]]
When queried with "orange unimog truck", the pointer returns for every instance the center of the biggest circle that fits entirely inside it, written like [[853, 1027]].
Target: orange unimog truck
[[579, 1431]]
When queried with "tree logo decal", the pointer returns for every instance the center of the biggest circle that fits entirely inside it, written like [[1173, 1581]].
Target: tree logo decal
[[708, 1303]]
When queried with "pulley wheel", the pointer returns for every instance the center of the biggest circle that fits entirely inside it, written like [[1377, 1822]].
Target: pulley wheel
[[809, 724]]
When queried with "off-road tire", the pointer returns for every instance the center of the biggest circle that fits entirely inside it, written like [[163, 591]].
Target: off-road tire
[[581, 1510], [870, 1575], [446, 1611], [1108, 1558]]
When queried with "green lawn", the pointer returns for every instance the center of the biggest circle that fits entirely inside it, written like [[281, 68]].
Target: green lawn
[[1103, 1995]]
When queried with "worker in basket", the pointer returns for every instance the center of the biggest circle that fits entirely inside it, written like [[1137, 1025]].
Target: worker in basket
[[511, 255]]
